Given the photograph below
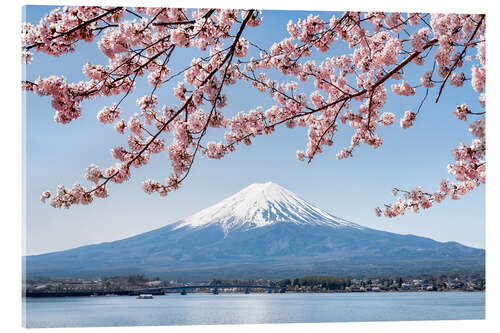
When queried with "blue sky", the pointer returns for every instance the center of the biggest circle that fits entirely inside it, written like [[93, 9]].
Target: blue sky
[[351, 188]]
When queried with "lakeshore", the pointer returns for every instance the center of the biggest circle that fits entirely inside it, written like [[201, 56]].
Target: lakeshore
[[133, 285], [220, 291]]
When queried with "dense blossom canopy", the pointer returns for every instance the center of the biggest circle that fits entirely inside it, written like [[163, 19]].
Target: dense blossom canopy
[[350, 90]]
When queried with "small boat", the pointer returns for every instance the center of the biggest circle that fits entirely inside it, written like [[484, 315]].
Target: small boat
[[183, 292], [145, 296]]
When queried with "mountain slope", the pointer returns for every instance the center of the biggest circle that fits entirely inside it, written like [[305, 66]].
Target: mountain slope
[[262, 231]]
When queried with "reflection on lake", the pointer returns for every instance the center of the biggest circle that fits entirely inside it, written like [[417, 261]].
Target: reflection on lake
[[203, 309]]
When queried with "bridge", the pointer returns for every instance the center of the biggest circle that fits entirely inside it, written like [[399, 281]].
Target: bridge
[[154, 291], [215, 289]]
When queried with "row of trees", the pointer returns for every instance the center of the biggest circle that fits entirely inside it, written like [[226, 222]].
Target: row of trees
[[327, 282], [439, 281]]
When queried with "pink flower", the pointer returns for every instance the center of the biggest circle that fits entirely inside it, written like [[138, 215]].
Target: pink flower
[[461, 112], [426, 204], [118, 173], [477, 128], [387, 119], [101, 192], [478, 78], [156, 146], [108, 114], [403, 89], [457, 79], [418, 39], [255, 20], [120, 126], [134, 124], [426, 80], [215, 150], [300, 155], [119, 153], [149, 186], [292, 29], [180, 37], [407, 120], [438, 196], [413, 18], [180, 91], [93, 173], [241, 48], [317, 99], [45, 195]]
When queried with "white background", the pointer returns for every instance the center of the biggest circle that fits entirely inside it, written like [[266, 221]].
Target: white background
[[11, 163]]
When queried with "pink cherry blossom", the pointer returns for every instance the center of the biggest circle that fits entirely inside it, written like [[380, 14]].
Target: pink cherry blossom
[[461, 112], [387, 118], [426, 80], [407, 120], [108, 114], [403, 89], [120, 126], [324, 95]]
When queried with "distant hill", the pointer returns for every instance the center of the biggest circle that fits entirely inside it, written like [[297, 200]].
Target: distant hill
[[263, 231]]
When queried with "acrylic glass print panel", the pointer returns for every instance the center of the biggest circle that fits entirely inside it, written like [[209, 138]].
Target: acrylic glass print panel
[[226, 166]]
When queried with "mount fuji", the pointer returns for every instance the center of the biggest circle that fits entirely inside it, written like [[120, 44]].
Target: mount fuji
[[263, 231]]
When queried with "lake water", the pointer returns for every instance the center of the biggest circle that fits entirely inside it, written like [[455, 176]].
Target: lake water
[[203, 309]]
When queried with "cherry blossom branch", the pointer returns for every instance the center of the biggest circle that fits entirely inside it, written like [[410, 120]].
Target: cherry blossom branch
[[78, 27], [326, 131], [207, 15], [228, 57], [347, 97], [459, 58], [379, 53]]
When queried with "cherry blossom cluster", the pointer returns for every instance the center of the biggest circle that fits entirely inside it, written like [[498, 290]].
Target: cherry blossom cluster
[[408, 119], [108, 114], [403, 89], [59, 31], [469, 170], [125, 65], [350, 91]]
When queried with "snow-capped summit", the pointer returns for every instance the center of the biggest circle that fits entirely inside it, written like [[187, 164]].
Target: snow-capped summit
[[260, 205]]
